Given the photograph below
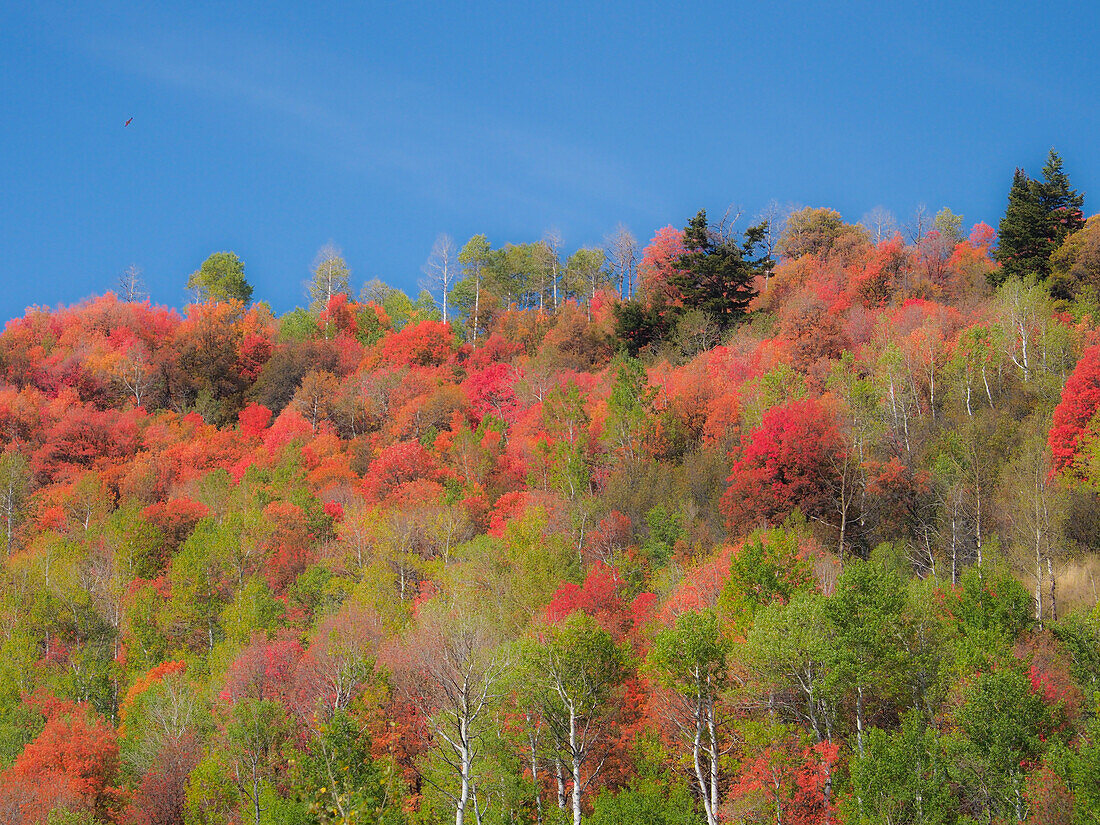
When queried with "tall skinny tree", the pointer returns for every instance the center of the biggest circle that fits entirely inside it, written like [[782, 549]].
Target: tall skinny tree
[[574, 668], [551, 259], [475, 258], [689, 661], [331, 276], [623, 256], [15, 483], [254, 734], [451, 674], [131, 285], [585, 273], [1062, 204], [1022, 245], [441, 270]]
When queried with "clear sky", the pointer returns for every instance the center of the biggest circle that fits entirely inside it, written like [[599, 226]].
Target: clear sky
[[272, 128]]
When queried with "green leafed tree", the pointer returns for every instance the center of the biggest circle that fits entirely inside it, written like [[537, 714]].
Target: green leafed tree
[[629, 408], [818, 231], [655, 803], [474, 259], [1062, 204], [585, 273], [1002, 725], [867, 657], [211, 795], [689, 661], [766, 569], [15, 484], [339, 780], [574, 669], [254, 610], [1082, 772], [789, 647], [566, 453], [198, 576], [902, 777], [220, 279], [254, 734], [1075, 265], [949, 225], [1022, 246]]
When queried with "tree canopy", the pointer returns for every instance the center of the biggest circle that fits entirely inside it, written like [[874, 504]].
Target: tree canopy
[[220, 278], [680, 535]]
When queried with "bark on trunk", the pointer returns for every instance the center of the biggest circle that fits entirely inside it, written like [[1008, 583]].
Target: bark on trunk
[[1053, 601], [576, 767]]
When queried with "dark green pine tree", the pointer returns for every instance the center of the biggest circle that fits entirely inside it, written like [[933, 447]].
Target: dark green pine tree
[[716, 276], [1062, 204], [1023, 236], [696, 236], [1039, 217]]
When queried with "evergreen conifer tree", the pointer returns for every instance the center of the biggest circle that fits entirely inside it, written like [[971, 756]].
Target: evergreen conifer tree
[[717, 276], [1023, 245], [1040, 215], [1062, 204]]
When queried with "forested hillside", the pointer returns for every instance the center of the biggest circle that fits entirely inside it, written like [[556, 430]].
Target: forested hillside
[[793, 522]]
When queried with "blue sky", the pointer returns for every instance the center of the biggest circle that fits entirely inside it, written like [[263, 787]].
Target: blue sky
[[272, 128]]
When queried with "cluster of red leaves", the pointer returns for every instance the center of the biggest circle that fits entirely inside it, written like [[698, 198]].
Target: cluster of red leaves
[[73, 763], [176, 518], [1072, 424], [423, 344], [793, 780], [264, 670], [790, 461]]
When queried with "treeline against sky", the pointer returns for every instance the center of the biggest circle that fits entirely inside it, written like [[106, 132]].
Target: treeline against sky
[[795, 524]]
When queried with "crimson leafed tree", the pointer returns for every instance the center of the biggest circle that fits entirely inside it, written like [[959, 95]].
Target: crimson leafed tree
[[398, 465], [787, 782], [601, 597], [790, 461], [264, 670], [659, 263], [423, 344], [492, 392], [1071, 429]]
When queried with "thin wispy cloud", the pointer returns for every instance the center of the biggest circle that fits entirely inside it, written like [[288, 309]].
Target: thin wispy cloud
[[373, 125]]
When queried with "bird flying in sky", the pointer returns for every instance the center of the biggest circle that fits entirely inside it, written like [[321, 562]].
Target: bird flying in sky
[[127, 123]]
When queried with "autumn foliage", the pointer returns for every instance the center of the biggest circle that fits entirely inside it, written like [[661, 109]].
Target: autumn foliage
[[72, 763], [1072, 427], [608, 540], [789, 462]]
